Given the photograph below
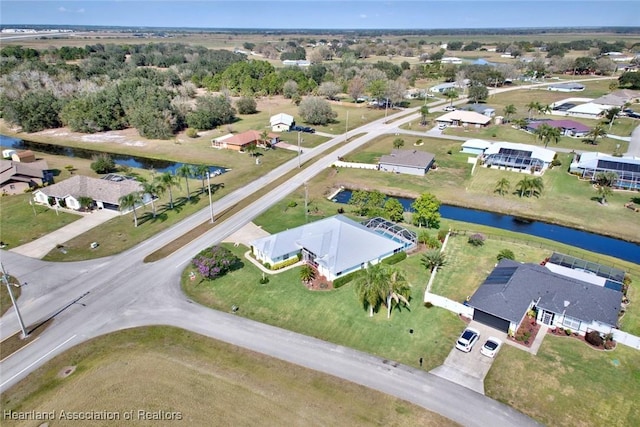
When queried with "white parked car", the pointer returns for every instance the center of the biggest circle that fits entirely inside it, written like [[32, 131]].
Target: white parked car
[[491, 347], [449, 108], [467, 340], [442, 127]]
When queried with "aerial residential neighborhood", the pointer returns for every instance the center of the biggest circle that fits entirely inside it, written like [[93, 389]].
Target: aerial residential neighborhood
[[217, 216]]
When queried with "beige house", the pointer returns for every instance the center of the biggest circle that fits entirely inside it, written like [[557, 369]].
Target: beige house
[[464, 118], [240, 141], [26, 156], [105, 192], [17, 177]]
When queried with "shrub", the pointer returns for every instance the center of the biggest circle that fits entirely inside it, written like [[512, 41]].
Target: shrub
[[192, 133], [442, 234], [556, 162], [505, 254], [594, 338], [103, 163], [292, 204], [264, 280], [246, 105], [394, 259], [214, 262], [285, 263], [567, 331], [477, 239], [343, 280]]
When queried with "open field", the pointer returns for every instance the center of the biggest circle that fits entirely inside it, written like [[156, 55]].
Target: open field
[[206, 381], [568, 383]]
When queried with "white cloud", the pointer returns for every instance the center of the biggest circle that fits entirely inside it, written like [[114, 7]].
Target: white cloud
[[62, 9], [363, 16]]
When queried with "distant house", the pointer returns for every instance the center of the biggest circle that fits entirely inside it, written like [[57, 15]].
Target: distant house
[[443, 87], [105, 192], [296, 63], [566, 87], [240, 141], [451, 60], [481, 109], [567, 127], [464, 118], [561, 298], [26, 156], [281, 122], [518, 156], [588, 110], [412, 162], [618, 98], [335, 246], [588, 164], [17, 177]]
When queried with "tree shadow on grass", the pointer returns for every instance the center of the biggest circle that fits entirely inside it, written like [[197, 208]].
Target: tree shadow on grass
[[636, 200], [148, 217]]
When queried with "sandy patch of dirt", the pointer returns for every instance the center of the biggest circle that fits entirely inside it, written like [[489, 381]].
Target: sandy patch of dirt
[[128, 137]]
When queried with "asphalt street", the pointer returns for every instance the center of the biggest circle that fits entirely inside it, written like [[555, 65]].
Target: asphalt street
[[121, 291]]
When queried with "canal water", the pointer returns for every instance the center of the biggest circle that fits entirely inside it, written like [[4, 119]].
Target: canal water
[[621, 249], [159, 166]]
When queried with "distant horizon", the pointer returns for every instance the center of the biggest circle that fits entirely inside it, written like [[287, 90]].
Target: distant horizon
[[349, 15]]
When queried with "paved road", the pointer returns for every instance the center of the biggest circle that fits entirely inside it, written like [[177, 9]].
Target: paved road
[[634, 143], [121, 291]]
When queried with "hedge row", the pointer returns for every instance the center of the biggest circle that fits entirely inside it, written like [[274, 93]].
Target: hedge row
[[395, 258], [284, 264]]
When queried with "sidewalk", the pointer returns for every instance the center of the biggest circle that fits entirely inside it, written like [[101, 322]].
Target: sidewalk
[[42, 246]]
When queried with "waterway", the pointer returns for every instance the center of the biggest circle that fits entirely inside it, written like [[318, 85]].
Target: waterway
[[159, 166], [621, 249]]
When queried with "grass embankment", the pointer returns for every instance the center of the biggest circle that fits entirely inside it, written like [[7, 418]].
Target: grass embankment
[[206, 381], [569, 384]]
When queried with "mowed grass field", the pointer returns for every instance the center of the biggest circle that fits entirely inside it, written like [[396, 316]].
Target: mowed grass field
[[206, 381]]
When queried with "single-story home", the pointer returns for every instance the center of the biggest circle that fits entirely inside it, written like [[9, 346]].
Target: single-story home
[[26, 156], [240, 141], [17, 177], [464, 118], [450, 60], [518, 156], [588, 110], [105, 192], [443, 87], [567, 127], [475, 146], [281, 122], [589, 163], [296, 63], [412, 162], [566, 87], [335, 246], [513, 288], [480, 108], [619, 98]]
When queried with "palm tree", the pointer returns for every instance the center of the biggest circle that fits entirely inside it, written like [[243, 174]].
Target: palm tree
[[604, 192], [168, 180], [307, 273], [502, 186], [451, 94], [371, 286], [433, 259], [544, 109], [533, 106], [424, 110], [523, 186], [536, 186], [398, 143], [547, 133], [152, 188], [130, 201], [264, 138], [611, 115], [185, 172], [397, 290], [597, 132], [521, 123], [509, 110], [202, 171], [250, 149]]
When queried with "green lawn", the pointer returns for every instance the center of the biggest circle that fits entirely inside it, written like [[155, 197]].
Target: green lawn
[[569, 384], [335, 315]]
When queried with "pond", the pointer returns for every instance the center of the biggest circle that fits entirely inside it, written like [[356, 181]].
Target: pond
[[159, 166], [621, 249]]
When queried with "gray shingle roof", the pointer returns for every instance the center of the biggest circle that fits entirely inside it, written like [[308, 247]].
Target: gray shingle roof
[[410, 158], [98, 189], [511, 287], [338, 242]]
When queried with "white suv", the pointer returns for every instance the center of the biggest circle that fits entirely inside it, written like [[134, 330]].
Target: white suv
[[467, 340]]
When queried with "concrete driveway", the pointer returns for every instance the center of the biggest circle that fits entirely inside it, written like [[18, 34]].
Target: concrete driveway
[[470, 369]]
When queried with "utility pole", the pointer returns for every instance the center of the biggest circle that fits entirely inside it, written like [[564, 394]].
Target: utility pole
[[210, 202], [299, 151], [306, 203], [13, 301]]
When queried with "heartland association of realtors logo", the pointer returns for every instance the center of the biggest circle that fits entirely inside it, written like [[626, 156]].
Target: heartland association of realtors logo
[[131, 415]]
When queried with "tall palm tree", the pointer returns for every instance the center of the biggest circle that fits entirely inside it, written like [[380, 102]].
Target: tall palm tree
[[451, 94], [202, 171], [264, 138], [597, 132], [547, 134], [521, 123], [523, 186], [371, 287], [611, 115], [433, 259], [185, 172], [604, 192], [509, 111], [544, 108], [502, 186], [152, 188], [398, 290], [424, 110], [168, 180], [251, 149], [533, 106], [130, 201], [536, 186]]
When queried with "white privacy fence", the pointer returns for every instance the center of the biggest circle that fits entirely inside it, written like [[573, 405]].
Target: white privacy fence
[[342, 164], [448, 304]]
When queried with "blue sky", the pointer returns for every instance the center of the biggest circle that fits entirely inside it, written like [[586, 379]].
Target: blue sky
[[349, 14]]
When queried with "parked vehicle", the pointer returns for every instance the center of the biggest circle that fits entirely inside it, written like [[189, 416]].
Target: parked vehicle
[[467, 340], [306, 129], [449, 108], [491, 347]]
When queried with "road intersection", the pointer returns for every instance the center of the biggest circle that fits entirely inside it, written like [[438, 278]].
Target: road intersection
[[122, 291]]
